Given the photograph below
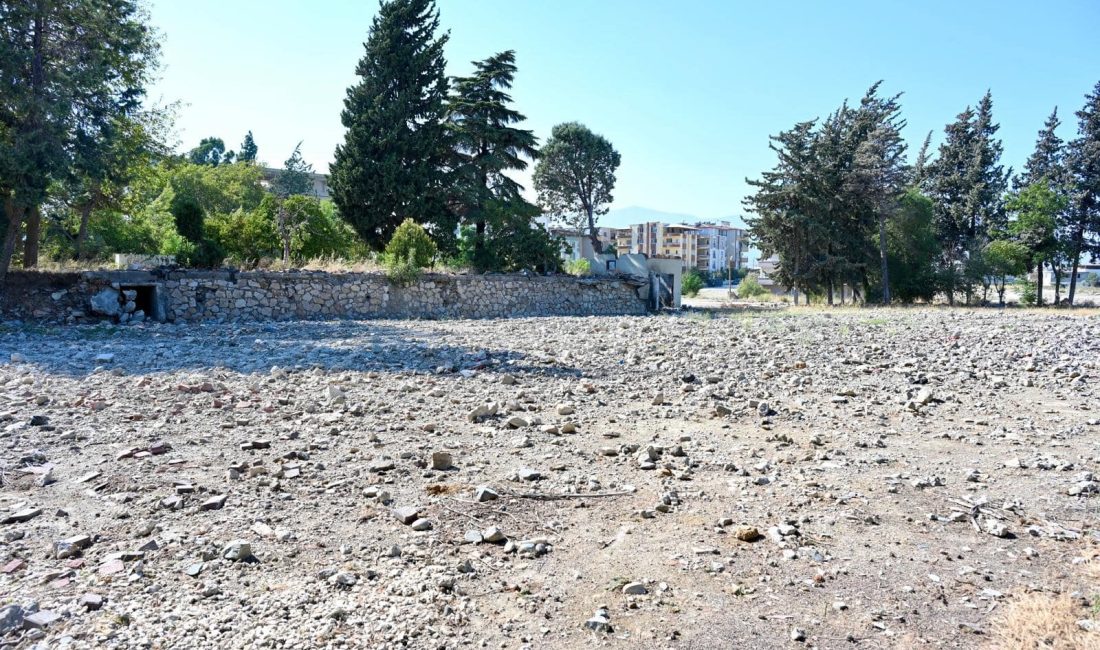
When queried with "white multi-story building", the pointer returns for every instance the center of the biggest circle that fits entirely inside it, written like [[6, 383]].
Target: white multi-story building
[[706, 246], [719, 247]]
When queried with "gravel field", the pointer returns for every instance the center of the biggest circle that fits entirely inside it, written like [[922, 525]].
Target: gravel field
[[848, 478]]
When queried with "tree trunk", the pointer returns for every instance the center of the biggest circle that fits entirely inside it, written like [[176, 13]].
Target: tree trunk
[[1078, 240], [951, 282], [34, 227], [1039, 284], [1056, 273], [830, 292], [15, 222], [595, 236], [82, 234], [882, 255], [479, 239]]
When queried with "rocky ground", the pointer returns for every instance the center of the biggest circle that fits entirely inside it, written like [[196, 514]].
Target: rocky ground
[[847, 478]]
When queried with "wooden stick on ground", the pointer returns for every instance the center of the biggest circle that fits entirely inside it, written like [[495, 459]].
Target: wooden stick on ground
[[542, 496]]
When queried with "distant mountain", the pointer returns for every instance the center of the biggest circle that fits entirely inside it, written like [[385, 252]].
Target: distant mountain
[[623, 217]]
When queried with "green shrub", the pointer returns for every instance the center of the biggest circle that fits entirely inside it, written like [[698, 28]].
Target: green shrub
[[187, 213], [246, 236], [750, 287], [511, 242], [691, 284], [410, 250], [579, 267], [1026, 291], [326, 234]]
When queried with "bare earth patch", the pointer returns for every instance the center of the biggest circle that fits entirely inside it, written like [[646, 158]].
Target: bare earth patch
[[832, 479]]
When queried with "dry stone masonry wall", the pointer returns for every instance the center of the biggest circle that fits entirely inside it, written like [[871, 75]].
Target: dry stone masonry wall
[[193, 296]]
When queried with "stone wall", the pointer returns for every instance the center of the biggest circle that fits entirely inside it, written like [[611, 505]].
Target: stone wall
[[193, 296]]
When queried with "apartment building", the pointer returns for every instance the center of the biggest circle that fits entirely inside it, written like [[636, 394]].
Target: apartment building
[[670, 241], [705, 246], [319, 181], [623, 240], [720, 247]]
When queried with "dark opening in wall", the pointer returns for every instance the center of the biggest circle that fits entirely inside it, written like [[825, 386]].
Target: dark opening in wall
[[146, 299]]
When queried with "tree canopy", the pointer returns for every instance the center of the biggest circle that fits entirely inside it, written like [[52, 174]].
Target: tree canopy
[[575, 176], [69, 72], [391, 164]]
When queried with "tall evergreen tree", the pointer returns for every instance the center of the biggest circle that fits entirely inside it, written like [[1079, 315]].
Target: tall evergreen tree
[[920, 167], [1047, 160], [68, 72], [989, 179], [967, 185], [879, 172], [295, 177], [1047, 166], [248, 149], [391, 164], [1084, 166], [784, 219], [487, 146]]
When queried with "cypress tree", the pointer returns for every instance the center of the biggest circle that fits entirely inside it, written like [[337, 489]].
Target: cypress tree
[[1084, 155], [967, 185], [989, 178], [390, 165], [1047, 165], [879, 172], [248, 149], [785, 219], [1047, 159], [920, 167]]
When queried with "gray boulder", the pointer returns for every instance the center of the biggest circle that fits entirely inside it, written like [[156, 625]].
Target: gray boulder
[[106, 303]]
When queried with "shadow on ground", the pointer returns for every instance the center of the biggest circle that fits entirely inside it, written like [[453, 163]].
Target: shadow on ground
[[360, 346]]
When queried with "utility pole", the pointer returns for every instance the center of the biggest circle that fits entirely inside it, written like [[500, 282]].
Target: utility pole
[[729, 278]]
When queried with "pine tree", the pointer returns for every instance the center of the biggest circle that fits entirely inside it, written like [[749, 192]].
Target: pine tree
[[248, 149], [68, 72], [1047, 159], [1084, 165], [879, 172], [920, 167], [295, 176], [967, 185], [390, 165], [487, 146], [783, 208], [1047, 165]]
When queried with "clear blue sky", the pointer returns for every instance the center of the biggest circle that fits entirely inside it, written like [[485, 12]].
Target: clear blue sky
[[687, 90]]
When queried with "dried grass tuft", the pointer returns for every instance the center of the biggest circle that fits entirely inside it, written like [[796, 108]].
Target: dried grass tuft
[[1042, 621]]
